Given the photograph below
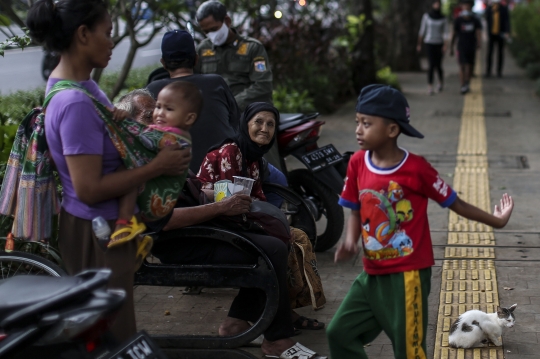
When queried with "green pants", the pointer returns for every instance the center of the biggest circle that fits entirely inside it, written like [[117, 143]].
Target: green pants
[[393, 303]]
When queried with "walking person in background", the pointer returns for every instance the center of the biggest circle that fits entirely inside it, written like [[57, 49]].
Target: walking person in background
[[432, 32], [468, 33], [498, 28]]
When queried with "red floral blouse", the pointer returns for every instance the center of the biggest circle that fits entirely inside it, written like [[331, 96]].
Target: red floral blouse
[[226, 162]]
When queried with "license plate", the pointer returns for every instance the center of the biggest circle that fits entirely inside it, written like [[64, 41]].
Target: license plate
[[139, 346], [322, 158]]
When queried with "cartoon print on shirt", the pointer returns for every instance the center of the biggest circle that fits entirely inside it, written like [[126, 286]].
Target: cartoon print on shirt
[[382, 214], [395, 192]]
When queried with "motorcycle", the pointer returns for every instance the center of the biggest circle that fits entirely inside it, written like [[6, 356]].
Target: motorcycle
[[321, 182], [48, 63], [65, 317]]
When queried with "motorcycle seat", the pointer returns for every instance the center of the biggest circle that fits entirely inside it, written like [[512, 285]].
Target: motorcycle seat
[[290, 120], [22, 291]]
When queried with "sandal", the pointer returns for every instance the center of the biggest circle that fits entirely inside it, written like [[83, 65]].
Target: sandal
[[134, 228], [299, 323], [297, 351], [143, 250]]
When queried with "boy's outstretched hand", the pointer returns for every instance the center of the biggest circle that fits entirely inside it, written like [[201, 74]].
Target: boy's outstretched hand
[[505, 209], [346, 251]]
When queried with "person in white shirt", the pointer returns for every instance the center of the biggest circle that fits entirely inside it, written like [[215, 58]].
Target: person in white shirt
[[432, 31]]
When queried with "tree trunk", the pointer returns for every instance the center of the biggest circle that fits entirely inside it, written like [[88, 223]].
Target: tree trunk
[[363, 56], [133, 47], [96, 75], [404, 23]]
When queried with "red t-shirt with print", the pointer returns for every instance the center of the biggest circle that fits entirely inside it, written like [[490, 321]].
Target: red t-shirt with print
[[393, 211]]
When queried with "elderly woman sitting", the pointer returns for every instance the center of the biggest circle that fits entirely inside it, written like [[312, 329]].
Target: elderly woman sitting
[[242, 156]]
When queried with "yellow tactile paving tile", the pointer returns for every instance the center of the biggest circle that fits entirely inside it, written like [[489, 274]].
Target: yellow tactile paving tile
[[469, 279], [465, 285], [472, 238]]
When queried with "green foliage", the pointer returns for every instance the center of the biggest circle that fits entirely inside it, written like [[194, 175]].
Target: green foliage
[[290, 100], [13, 108], [387, 77], [355, 29], [136, 79], [15, 41], [526, 32]]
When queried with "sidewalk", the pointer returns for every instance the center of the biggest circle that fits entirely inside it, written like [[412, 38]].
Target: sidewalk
[[512, 128]]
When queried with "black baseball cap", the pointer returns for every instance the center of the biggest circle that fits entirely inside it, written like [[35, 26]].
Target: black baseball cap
[[177, 45], [387, 102]]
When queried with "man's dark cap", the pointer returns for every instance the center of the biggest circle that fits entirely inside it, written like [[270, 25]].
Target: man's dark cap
[[177, 45], [385, 101]]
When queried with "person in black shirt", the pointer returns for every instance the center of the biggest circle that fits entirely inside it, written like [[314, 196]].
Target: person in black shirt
[[220, 114], [498, 29], [468, 33]]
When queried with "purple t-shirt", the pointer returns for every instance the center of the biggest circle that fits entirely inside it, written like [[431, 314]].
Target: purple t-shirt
[[73, 127]]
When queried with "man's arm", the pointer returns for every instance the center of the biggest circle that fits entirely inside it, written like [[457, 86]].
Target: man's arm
[[454, 37], [479, 38], [498, 219], [260, 77], [190, 216], [234, 111]]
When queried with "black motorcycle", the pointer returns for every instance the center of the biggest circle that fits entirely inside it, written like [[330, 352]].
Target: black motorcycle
[[65, 318]]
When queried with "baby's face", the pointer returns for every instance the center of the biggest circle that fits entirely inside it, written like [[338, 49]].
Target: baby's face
[[170, 111]]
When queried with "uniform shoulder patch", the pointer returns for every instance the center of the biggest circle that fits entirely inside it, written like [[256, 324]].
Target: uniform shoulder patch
[[208, 52], [243, 49], [259, 58], [260, 66]]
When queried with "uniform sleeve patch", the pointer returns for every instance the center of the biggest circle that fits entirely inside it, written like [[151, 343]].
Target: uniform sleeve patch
[[260, 66], [242, 50], [208, 52], [259, 58]]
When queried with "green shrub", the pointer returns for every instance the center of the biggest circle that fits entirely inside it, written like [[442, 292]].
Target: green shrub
[[136, 79], [387, 77], [526, 32], [289, 100], [15, 106]]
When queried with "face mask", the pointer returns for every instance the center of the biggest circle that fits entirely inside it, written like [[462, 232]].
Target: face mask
[[219, 37], [466, 13]]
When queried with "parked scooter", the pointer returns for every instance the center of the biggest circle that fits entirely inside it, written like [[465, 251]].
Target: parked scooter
[[66, 317], [321, 182]]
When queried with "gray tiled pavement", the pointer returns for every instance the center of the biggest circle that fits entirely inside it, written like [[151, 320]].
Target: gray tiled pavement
[[438, 117]]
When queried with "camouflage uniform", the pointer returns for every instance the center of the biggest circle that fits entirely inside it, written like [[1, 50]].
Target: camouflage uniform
[[243, 64]]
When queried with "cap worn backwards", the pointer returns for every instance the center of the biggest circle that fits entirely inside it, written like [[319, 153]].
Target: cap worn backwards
[[177, 45], [385, 101]]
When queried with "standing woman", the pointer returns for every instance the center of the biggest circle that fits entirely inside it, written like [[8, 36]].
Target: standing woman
[[84, 155], [432, 31]]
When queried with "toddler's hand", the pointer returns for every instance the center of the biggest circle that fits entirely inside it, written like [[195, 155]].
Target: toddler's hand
[[119, 115], [346, 251], [505, 210]]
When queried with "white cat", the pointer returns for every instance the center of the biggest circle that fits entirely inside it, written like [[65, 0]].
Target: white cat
[[475, 328]]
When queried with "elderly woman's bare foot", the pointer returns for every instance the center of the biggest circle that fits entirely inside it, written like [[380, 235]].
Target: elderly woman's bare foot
[[232, 326]]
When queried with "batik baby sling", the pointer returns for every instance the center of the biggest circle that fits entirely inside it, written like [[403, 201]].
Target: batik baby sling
[[29, 191]]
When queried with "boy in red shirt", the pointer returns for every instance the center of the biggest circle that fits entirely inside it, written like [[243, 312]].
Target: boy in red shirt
[[387, 190]]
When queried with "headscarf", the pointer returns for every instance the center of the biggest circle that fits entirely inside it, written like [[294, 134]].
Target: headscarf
[[250, 150], [435, 14]]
